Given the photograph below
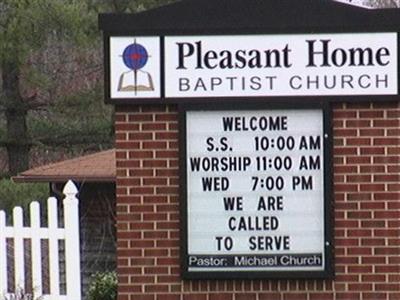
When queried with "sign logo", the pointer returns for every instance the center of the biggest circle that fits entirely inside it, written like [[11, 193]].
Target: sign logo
[[135, 57], [135, 66]]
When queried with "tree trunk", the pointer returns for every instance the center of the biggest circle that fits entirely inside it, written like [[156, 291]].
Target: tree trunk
[[17, 141]]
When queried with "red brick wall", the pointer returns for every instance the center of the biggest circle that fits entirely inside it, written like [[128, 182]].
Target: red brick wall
[[367, 211]]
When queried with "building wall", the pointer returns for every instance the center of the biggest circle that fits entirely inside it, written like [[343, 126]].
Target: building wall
[[97, 222], [366, 201]]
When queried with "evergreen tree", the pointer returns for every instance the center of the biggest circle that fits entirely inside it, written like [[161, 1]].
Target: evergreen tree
[[26, 26], [51, 76]]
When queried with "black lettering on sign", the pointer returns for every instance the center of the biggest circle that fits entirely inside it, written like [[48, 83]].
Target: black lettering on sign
[[310, 163], [200, 85], [224, 243], [219, 145], [184, 85], [233, 203], [215, 184], [310, 143], [253, 223], [210, 144], [269, 243], [271, 203], [302, 183], [321, 54], [202, 58], [216, 164], [254, 123]]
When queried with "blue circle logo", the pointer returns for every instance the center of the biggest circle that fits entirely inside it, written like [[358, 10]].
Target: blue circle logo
[[135, 56]]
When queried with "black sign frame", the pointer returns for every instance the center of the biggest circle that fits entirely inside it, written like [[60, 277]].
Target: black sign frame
[[328, 271]]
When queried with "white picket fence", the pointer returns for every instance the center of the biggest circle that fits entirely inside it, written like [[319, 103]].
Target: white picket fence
[[35, 233]]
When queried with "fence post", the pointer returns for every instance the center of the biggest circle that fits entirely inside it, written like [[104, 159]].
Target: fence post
[[54, 257], [3, 255], [36, 251], [72, 249], [19, 251]]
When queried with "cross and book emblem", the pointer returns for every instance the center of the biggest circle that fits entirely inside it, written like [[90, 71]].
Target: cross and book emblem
[[135, 57]]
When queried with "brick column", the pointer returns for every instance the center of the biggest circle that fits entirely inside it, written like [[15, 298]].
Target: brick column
[[367, 200]]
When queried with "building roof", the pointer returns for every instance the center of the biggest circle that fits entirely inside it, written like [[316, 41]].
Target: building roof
[[250, 16], [97, 167]]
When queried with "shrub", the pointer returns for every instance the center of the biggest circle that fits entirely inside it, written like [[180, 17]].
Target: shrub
[[103, 286], [19, 295]]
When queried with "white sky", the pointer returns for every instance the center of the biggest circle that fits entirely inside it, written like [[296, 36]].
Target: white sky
[[354, 2]]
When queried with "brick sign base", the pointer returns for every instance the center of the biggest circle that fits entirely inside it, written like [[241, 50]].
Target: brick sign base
[[366, 208]]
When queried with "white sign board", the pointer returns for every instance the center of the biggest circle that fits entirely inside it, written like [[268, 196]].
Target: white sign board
[[253, 65], [255, 190], [281, 65]]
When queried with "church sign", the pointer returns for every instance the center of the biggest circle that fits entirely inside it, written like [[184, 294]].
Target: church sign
[[171, 67], [255, 175], [240, 93]]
